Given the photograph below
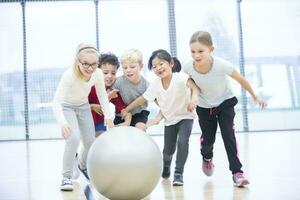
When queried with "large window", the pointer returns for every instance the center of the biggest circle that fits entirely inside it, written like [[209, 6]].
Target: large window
[[52, 40], [271, 32], [11, 72], [272, 61]]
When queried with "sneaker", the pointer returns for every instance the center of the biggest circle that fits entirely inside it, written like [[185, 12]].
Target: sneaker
[[66, 185], [166, 172], [178, 180], [239, 179], [84, 172], [208, 167], [76, 172]]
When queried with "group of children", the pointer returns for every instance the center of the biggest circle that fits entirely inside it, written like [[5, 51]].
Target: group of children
[[203, 90]]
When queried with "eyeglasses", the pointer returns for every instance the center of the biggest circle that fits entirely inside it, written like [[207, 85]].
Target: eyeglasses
[[88, 65]]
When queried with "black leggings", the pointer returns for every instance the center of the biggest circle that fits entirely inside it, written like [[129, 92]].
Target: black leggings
[[208, 121]]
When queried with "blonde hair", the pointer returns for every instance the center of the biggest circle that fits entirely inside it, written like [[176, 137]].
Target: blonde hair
[[202, 37], [83, 49], [132, 56]]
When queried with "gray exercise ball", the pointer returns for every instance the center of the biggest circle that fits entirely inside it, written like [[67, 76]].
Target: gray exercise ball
[[124, 163]]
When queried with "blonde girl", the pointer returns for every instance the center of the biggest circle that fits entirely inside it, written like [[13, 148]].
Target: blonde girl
[[72, 110]]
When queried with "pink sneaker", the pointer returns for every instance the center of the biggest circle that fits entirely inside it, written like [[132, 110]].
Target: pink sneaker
[[208, 167], [239, 179]]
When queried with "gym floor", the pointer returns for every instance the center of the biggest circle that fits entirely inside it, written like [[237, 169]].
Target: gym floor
[[30, 170]]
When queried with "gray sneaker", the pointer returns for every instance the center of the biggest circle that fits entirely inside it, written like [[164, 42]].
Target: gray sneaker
[[66, 185], [178, 180], [208, 167], [239, 179]]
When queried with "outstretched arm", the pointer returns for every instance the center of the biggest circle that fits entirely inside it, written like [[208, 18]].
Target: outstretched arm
[[127, 120], [246, 85], [155, 120], [194, 96], [139, 101]]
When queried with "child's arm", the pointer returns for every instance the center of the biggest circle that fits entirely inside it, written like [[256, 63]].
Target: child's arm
[[111, 94], [139, 101], [96, 108], [195, 91], [61, 89], [127, 120], [246, 85], [155, 120], [102, 95]]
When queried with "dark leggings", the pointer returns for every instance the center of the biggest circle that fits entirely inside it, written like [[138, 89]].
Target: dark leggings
[[208, 121]]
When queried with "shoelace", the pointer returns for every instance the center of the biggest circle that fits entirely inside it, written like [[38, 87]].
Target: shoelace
[[239, 175], [177, 176], [67, 181]]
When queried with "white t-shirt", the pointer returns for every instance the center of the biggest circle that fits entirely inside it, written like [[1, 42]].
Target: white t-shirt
[[74, 92], [173, 101], [215, 84]]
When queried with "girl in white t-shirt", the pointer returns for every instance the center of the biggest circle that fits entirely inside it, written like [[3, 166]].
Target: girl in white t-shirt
[[176, 95], [216, 102], [73, 112]]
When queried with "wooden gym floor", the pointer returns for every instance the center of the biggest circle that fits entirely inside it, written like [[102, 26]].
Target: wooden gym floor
[[31, 171]]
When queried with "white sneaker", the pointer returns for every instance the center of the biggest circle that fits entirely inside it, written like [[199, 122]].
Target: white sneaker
[[239, 179], [76, 172], [208, 167], [66, 185]]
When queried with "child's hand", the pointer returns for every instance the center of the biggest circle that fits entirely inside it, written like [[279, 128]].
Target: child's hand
[[97, 108], [152, 122], [260, 102], [112, 94], [65, 130], [192, 105], [109, 123], [124, 112]]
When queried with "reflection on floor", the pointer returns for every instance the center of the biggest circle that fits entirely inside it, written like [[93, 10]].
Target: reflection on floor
[[31, 171]]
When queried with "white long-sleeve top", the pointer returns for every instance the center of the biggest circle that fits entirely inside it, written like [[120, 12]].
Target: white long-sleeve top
[[74, 91]]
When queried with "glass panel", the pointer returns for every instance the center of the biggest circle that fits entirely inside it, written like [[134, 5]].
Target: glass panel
[[11, 73], [272, 59], [52, 40]]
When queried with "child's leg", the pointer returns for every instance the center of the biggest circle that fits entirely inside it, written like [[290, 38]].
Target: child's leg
[[72, 143], [208, 125], [184, 128], [226, 122], [86, 125], [139, 120], [170, 138]]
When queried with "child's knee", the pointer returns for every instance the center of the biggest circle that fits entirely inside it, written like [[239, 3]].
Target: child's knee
[[141, 126]]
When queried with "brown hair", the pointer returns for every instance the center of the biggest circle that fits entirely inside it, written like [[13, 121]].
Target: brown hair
[[202, 37]]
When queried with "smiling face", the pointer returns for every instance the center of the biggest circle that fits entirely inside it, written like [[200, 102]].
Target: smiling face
[[109, 72], [161, 68], [132, 71], [200, 52], [87, 64]]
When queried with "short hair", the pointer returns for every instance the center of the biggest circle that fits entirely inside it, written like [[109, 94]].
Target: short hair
[[132, 56], [108, 58], [202, 37]]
